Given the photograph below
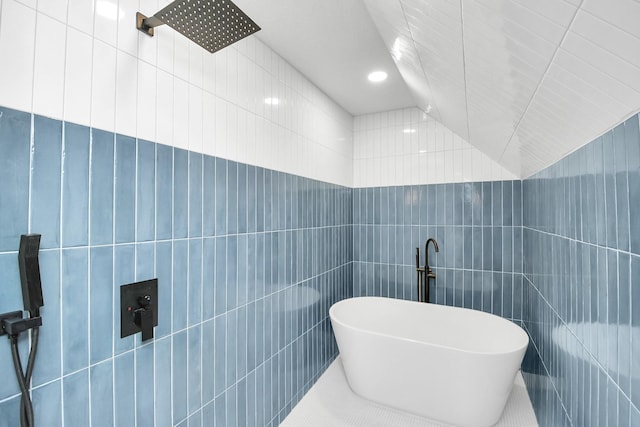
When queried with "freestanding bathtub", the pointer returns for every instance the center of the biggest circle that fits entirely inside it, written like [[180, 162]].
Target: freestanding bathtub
[[448, 364]]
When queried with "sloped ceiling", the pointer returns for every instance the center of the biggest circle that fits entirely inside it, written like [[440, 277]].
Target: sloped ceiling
[[334, 44], [526, 82]]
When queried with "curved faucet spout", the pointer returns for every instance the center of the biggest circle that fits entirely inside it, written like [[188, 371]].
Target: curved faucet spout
[[426, 251]]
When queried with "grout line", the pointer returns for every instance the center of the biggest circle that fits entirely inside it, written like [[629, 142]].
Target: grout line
[[60, 273], [89, 281]]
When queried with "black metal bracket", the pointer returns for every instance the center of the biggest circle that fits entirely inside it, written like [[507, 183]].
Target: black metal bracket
[[13, 324]]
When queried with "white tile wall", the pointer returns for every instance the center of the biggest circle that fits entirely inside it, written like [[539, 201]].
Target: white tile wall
[[409, 147], [84, 61]]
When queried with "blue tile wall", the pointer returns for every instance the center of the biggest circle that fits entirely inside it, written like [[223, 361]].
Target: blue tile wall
[[248, 261], [478, 228], [582, 284]]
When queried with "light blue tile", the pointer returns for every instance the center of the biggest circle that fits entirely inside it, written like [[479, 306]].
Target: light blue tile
[[242, 195], [241, 346], [219, 354], [251, 199], [208, 361], [11, 408], [517, 203], [486, 203], [76, 405], [268, 202], [241, 405], [15, 130], [102, 181], [242, 269], [260, 199], [195, 194], [624, 319], [232, 272], [145, 191], [123, 274], [180, 287], [221, 196], [164, 275], [75, 330], [208, 278], [179, 376], [195, 282], [487, 248], [221, 275], [496, 203], [163, 382], [75, 186], [220, 409], [180, 193], [101, 376], [145, 385], [622, 189], [50, 336], [507, 203], [164, 192], [47, 406], [45, 181], [194, 388], [232, 347], [232, 197], [208, 196], [101, 300], [125, 172], [124, 388]]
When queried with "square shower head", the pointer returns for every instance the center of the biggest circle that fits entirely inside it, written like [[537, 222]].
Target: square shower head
[[213, 24]]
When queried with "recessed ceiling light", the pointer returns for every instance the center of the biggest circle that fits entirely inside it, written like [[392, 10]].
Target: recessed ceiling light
[[409, 130], [271, 101], [377, 76]]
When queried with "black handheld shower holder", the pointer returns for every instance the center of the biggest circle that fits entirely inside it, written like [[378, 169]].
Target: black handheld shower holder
[[14, 323]]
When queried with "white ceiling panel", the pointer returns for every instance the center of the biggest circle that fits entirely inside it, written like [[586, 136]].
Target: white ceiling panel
[[623, 14], [525, 82]]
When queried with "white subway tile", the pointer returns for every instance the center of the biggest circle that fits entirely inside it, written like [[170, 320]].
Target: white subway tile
[[221, 127], [196, 53], [103, 96], [208, 123], [180, 113], [164, 107], [180, 55], [48, 71], [147, 92], [128, 34], [165, 40], [77, 85], [106, 21], [126, 93], [17, 37], [195, 119]]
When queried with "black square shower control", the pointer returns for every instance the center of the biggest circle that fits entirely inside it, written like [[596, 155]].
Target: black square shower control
[[139, 308]]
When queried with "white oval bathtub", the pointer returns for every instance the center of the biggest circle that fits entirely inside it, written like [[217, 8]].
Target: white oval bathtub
[[447, 364]]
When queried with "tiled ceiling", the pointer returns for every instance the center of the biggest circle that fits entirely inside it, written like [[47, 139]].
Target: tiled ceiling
[[527, 82]]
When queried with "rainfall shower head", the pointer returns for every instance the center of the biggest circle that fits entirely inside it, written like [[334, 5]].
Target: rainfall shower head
[[213, 24]]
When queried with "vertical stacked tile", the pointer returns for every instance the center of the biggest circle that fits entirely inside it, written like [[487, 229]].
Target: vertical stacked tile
[[581, 283], [248, 260]]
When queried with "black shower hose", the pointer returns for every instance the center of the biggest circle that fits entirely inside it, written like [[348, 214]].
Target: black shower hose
[[24, 380]]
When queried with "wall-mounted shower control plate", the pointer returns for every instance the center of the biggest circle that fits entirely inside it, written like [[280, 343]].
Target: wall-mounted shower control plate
[[135, 297]]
